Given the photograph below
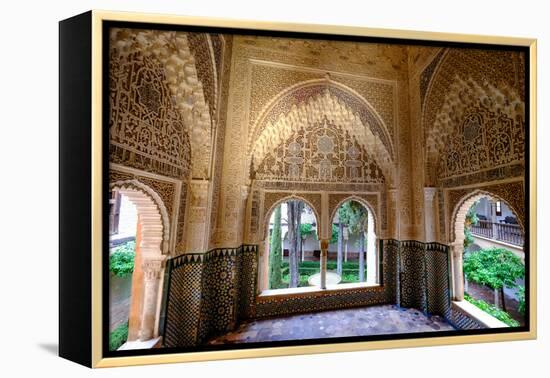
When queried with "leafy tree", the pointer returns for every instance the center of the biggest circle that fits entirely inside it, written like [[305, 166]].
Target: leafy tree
[[495, 267], [362, 256], [334, 236], [471, 220], [344, 215], [340, 255], [275, 252]]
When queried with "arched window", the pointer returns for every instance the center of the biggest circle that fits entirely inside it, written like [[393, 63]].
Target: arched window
[[489, 269], [352, 256], [292, 258], [292, 246], [136, 264]]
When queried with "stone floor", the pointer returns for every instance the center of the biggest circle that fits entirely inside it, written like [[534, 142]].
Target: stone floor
[[375, 320]]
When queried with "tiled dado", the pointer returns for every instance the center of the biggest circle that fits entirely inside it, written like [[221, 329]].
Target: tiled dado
[[424, 277], [463, 320], [425, 283], [209, 293]]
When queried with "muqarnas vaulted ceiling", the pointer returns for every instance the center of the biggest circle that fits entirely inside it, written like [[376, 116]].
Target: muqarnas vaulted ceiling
[[185, 67], [473, 113], [319, 151]]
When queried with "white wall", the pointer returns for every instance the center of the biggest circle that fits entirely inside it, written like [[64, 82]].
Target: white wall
[[128, 218]]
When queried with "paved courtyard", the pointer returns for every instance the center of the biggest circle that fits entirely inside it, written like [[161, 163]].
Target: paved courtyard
[[375, 320]]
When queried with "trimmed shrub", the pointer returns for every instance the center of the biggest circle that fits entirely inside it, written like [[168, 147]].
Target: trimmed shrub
[[121, 260], [118, 337], [493, 311]]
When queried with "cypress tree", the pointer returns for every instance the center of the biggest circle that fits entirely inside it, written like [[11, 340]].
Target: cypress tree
[[275, 252]]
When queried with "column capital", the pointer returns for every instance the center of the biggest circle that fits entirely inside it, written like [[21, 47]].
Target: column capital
[[245, 191], [152, 267], [324, 244], [457, 249], [429, 192]]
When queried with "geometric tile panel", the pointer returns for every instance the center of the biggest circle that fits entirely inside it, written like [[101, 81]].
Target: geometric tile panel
[[209, 293], [438, 279], [248, 284], [219, 289], [279, 306], [461, 320], [205, 294], [389, 252], [425, 282], [206, 317], [183, 304], [412, 278]]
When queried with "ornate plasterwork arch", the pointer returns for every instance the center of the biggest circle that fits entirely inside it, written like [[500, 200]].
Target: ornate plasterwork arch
[[364, 203], [298, 197], [154, 219], [172, 50], [319, 152], [458, 216], [469, 92], [477, 127], [311, 102], [302, 92], [499, 68]]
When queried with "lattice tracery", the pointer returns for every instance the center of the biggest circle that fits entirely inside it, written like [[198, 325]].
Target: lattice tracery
[[315, 110], [190, 78], [146, 130], [322, 152], [477, 128]]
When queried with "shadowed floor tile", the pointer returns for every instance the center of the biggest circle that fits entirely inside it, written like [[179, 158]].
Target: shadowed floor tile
[[375, 320]]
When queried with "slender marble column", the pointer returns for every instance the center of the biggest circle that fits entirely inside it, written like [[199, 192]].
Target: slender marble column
[[430, 214], [493, 207], [152, 269], [324, 253], [372, 266], [456, 251]]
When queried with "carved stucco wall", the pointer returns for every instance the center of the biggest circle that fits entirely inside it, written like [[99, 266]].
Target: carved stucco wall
[[318, 151], [264, 69], [165, 104], [231, 118], [176, 68], [473, 115], [146, 131], [224, 59], [421, 61], [468, 119]]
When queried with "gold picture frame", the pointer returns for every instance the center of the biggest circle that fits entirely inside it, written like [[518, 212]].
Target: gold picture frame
[[91, 25]]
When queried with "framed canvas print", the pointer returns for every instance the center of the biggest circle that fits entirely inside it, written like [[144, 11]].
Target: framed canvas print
[[235, 189]]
